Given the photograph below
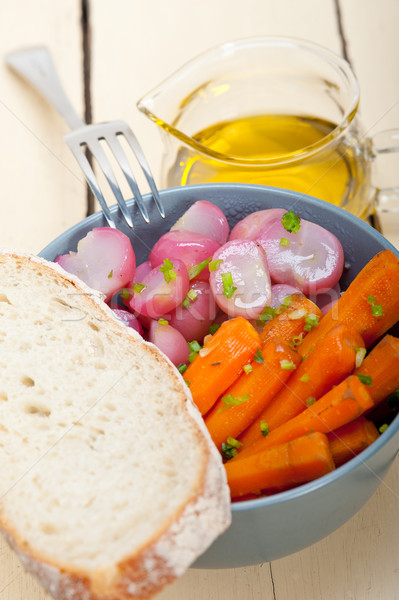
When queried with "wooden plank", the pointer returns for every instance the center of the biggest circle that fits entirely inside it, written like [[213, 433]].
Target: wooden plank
[[154, 39], [373, 48], [357, 562], [42, 191], [360, 560]]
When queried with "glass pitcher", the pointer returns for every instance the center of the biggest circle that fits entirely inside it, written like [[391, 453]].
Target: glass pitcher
[[273, 111]]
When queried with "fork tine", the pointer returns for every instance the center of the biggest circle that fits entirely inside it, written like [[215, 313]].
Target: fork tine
[[121, 157], [99, 154], [77, 151], [122, 128]]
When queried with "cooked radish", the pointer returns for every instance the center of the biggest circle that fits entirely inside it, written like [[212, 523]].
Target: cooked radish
[[280, 291], [240, 282], [189, 247], [169, 341], [104, 260], [205, 218], [326, 300], [128, 319], [251, 226], [311, 260], [198, 310], [141, 271], [164, 288]]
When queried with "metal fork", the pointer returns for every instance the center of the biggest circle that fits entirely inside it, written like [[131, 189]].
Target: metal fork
[[35, 65]]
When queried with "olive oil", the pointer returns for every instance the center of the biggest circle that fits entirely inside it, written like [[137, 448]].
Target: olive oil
[[279, 151]]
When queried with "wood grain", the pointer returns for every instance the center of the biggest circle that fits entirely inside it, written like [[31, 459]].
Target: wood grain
[[134, 46], [43, 191]]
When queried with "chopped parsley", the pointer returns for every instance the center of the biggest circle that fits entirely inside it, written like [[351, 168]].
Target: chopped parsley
[[228, 285], [213, 328], [376, 309], [168, 270], [138, 287], [215, 264], [163, 322], [305, 378], [230, 448], [190, 297], [258, 357], [196, 270], [194, 347], [296, 340], [383, 428], [267, 314], [291, 222], [230, 400], [287, 365], [284, 242], [366, 379], [182, 367], [311, 320], [264, 427], [110, 274]]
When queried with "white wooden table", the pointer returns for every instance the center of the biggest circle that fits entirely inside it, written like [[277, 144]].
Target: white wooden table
[[130, 46]]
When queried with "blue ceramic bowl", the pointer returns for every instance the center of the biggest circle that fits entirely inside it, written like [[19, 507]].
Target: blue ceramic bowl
[[268, 528]]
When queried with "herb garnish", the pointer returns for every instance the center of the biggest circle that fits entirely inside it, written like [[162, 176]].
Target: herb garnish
[[291, 222]]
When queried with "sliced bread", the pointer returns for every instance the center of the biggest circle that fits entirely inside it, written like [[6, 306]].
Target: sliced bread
[[110, 485]]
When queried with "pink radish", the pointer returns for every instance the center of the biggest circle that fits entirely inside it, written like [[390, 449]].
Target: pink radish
[[280, 291], [104, 260], [128, 319], [189, 247], [141, 271], [206, 219], [311, 260], [251, 226], [169, 341], [241, 282], [194, 316], [165, 287]]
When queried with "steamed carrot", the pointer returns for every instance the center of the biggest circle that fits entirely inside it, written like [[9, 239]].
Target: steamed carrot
[[252, 391], [350, 439], [290, 324], [381, 368], [289, 464], [221, 361], [332, 360], [370, 304], [339, 406]]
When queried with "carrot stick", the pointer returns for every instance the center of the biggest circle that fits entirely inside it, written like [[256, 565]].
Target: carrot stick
[[252, 391], [382, 366], [290, 324], [333, 360], [339, 406], [349, 440], [370, 304], [289, 464], [221, 361]]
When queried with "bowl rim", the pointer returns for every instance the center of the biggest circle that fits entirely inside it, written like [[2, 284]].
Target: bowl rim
[[361, 459]]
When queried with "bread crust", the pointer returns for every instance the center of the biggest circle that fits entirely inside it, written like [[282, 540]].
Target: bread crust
[[186, 534]]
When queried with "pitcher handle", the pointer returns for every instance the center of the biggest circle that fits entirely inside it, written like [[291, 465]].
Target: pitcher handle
[[386, 180]]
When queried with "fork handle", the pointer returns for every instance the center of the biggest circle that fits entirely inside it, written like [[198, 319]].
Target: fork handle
[[36, 66]]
